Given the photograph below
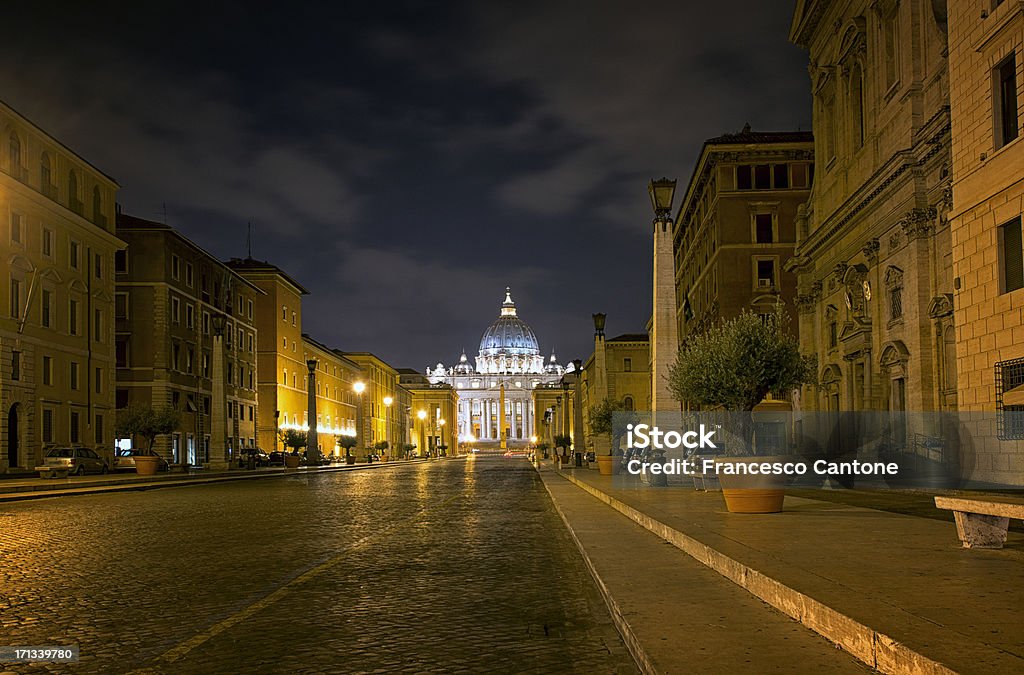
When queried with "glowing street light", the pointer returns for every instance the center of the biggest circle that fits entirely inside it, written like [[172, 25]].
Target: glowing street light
[[387, 420], [440, 436], [359, 387], [422, 416]]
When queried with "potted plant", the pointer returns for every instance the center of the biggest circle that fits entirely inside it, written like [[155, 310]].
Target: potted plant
[[543, 449], [348, 442], [382, 448], [408, 448], [733, 367], [148, 423], [603, 432], [442, 450], [562, 444], [296, 440]]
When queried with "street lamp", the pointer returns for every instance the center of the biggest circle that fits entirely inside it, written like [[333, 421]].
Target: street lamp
[[440, 437], [422, 416], [662, 192], [312, 439], [359, 387], [387, 420]]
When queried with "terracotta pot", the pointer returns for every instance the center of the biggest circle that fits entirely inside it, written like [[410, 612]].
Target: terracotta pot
[[147, 465], [607, 465], [745, 493], [292, 461]]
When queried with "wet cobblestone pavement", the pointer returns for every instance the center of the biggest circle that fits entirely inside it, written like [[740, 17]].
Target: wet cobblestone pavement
[[455, 566]]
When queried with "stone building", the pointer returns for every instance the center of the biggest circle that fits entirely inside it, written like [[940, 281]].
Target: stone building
[[873, 247], [434, 409], [736, 227], [508, 365], [336, 399], [182, 316], [56, 328], [986, 71], [385, 417]]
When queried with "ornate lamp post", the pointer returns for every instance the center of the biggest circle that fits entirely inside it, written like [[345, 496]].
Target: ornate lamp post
[[387, 421], [422, 416], [359, 387], [440, 437], [312, 439]]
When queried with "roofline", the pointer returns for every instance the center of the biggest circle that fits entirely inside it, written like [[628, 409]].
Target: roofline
[[44, 132], [153, 226], [330, 350], [268, 267]]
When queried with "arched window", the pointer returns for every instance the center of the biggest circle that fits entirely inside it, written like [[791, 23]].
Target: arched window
[[45, 173], [14, 148], [857, 105], [627, 403]]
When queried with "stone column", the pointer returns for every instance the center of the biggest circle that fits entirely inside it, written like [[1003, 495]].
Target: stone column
[[312, 438], [218, 459]]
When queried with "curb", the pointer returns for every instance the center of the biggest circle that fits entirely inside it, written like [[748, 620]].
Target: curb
[[633, 644], [876, 649], [44, 492]]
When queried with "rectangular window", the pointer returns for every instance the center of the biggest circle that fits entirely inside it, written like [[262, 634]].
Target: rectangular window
[[833, 335], [15, 365], [763, 228], [627, 365], [46, 308], [121, 352], [175, 310], [97, 327], [74, 375], [190, 357], [896, 303], [1011, 255], [206, 365], [189, 278], [47, 242], [121, 306], [249, 308], [97, 265], [121, 261], [47, 425], [15, 298], [206, 323], [47, 370], [1006, 101], [190, 316], [780, 176], [121, 399], [765, 273], [16, 226], [73, 255], [98, 387], [99, 429], [762, 177], [73, 317], [176, 356], [175, 267], [1009, 382], [75, 435]]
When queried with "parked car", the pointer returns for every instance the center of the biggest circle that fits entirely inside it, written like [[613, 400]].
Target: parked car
[[124, 460], [256, 455], [276, 458], [78, 461]]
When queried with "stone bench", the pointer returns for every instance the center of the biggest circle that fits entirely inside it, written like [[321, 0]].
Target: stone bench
[[52, 471], [982, 523]]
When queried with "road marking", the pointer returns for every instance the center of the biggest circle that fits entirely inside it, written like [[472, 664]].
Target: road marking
[[181, 649]]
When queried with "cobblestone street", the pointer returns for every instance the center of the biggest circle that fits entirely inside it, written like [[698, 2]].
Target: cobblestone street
[[455, 566]]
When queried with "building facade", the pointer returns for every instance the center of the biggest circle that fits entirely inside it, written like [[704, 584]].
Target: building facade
[[508, 366], [434, 409], [56, 328], [617, 370], [383, 417], [986, 70], [282, 372], [182, 316], [336, 398], [736, 227], [873, 247]]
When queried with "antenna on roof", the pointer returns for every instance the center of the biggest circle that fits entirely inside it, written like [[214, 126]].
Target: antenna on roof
[[248, 242]]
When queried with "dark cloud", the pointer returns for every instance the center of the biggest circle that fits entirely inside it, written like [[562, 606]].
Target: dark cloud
[[406, 161]]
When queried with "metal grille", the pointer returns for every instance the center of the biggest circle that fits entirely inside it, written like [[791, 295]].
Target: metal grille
[[1009, 418]]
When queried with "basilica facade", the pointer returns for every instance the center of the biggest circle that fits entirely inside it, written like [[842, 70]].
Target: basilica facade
[[495, 390]]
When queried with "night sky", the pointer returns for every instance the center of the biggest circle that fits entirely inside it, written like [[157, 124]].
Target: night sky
[[405, 161]]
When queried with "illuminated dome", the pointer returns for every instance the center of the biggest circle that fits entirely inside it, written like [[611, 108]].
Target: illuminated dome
[[509, 344], [464, 367]]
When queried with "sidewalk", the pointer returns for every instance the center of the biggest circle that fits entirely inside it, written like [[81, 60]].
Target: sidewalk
[[895, 591], [22, 488]]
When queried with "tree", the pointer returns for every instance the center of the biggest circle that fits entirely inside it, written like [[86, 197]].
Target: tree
[[603, 418], [733, 367], [347, 442], [294, 439], [148, 423]]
